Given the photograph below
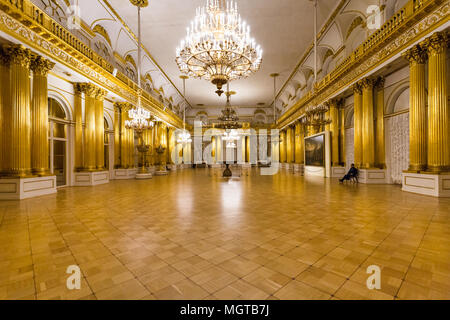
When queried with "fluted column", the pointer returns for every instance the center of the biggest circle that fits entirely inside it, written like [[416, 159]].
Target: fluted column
[[299, 143], [17, 113], [171, 144], [290, 141], [342, 157], [90, 145], [380, 153], [117, 135], [127, 141], [368, 132], [4, 100], [39, 115], [78, 117], [357, 118], [283, 143], [417, 58], [438, 113], [334, 130], [100, 129]]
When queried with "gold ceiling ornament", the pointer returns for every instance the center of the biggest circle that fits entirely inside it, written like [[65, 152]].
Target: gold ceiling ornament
[[218, 46]]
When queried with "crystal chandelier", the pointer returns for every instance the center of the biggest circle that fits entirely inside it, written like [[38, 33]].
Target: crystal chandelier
[[184, 137], [229, 118], [139, 119], [218, 46]]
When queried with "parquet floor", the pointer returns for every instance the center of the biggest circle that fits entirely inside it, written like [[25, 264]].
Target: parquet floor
[[193, 236]]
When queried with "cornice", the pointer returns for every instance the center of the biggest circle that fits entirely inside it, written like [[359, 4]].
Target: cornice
[[407, 27]]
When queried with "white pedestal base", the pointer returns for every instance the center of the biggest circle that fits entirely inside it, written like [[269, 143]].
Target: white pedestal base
[[143, 176], [427, 184], [338, 172], [372, 176], [299, 169], [124, 174], [83, 179], [315, 171], [173, 167], [161, 173], [24, 188]]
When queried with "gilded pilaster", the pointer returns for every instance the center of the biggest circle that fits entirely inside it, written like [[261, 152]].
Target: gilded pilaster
[[16, 113], [342, 158], [438, 113], [117, 135], [357, 118], [171, 144], [4, 100], [290, 141], [368, 132], [417, 58], [334, 130], [100, 129], [78, 117], [39, 115], [380, 153], [90, 144], [299, 143], [283, 143]]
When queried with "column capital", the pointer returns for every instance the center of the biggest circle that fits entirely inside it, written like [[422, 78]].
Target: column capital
[[88, 89], [100, 94], [122, 106], [41, 66], [357, 88], [416, 54], [380, 82], [18, 54], [437, 43], [368, 83]]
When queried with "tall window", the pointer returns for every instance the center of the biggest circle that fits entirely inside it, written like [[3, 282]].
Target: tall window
[[57, 137]]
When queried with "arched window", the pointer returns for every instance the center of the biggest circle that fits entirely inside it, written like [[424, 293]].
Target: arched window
[[57, 137]]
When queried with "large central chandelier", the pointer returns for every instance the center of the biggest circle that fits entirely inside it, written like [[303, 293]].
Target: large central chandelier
[[218, 46]]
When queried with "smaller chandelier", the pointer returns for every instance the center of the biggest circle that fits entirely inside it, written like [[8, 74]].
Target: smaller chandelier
[[184, 137], [139, 119]]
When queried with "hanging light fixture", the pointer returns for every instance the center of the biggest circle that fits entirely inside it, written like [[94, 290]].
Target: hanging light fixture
[[138, 115], [218, 46], [184, 137]]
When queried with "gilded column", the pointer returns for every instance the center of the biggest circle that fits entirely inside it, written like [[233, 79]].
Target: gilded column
[[368, 139], [4, 100], [290, 141], [100, 129], [299, 143], [78, 117], [247, 149], [117, 135], [334, 130], [357, 118], [417, 58], [283, 144], [342, 159], [438, 113], [380, 157], [39, 115], [213, 149], [90, 92], [17, 113], [171, 144]]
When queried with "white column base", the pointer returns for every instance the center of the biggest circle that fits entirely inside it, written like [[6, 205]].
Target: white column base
[[83, 179], [173, 167], [143, 176], [372, 176], [124, 174], [299, 169], [338, 172], [315, 171], [427, 184], [25, 188]]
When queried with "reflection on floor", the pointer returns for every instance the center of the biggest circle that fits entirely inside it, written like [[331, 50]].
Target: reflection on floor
[[194, 236]]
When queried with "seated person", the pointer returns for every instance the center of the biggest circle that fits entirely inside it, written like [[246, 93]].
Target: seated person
[[352, 173]]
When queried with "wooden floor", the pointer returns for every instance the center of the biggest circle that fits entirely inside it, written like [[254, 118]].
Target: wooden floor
[[193, 236]]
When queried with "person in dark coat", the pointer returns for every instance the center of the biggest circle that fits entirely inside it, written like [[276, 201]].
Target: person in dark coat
[[352, 173]]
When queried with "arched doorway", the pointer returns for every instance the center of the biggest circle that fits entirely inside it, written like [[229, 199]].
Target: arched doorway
[[58, 141]]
